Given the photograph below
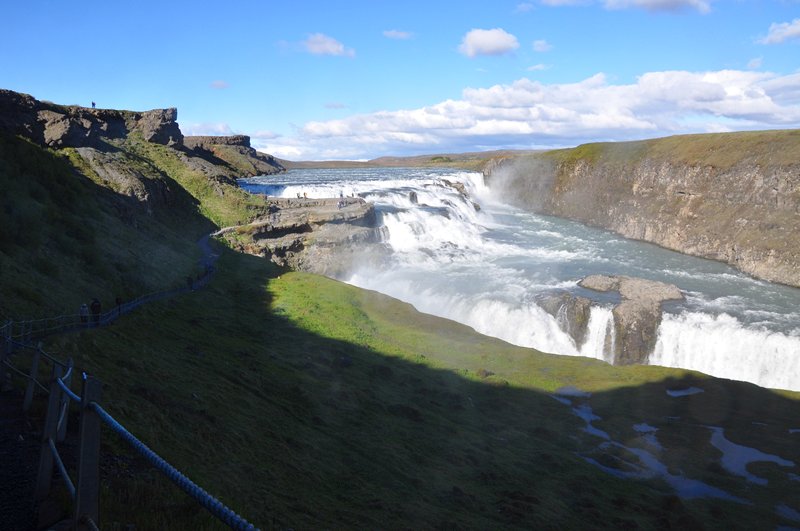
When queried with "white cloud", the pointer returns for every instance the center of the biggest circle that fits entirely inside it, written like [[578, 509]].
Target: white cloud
[[207, 128], [488, 42], [335, 105], [219, 84], [537, 68], [703, 6], [321, 44], [784, 31], [755, 63], [529, 113], [265, 135], [523, 7], [397, 34], [542, 46]]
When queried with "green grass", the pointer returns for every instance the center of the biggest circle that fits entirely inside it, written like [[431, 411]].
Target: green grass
[[63, 240], [303, 402], [719, 150], [306, 403], [224, 205]]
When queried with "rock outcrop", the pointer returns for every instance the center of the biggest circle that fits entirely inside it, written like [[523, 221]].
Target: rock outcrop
[[324, 236], [731, 197], [235, 151], [109, 143], [570, 312], [59, 126], [638, 316]]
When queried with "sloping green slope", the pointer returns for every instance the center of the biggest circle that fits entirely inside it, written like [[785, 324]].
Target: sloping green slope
[[305, 403]]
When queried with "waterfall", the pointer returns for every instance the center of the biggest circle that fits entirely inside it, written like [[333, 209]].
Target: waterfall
[[486, 267]]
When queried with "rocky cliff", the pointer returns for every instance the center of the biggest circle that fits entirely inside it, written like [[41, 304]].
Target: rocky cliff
[[325, 236], [117, 148], [234, 150], [58, 126], [732, 197]]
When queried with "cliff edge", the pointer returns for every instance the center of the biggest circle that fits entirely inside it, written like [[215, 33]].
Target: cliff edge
[[732, 197]]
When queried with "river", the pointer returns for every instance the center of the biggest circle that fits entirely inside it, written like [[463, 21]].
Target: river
[[486, 267]]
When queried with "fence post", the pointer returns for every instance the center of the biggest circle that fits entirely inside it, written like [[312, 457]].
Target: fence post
[[64, 405], [9, 340], [87, 492], [26, 404], [5, 353], [45, 475]]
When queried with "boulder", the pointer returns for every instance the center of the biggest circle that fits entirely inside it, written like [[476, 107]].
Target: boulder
[[315, 235], [571, 313], [160, 127], [638, 316]]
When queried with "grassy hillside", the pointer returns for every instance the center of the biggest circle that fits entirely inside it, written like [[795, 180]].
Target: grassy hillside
[[64, 239], [720, 151], [305, 403]]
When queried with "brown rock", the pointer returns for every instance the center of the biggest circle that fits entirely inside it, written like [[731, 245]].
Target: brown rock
[[638, 316]]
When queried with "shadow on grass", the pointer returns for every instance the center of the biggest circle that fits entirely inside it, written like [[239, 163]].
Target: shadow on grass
[[264, 404]]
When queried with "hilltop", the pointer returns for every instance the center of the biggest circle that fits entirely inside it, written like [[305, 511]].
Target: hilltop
[[306, 403]]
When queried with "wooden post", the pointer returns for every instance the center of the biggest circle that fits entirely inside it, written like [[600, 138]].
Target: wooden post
[[5, 354], [45, 475], [9, 333], [87, 492], [34, 374], [62, 428]]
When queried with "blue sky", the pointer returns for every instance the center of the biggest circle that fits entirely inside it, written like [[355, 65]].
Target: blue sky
[[361, 79]]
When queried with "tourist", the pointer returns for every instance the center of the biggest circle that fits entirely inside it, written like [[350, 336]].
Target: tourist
[[84, 313], [95, 307]]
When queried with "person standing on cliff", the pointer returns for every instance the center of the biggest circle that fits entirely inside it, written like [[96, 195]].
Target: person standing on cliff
[[93, 105]]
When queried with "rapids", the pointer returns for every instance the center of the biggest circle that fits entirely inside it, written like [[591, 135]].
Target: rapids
[[485, 267]]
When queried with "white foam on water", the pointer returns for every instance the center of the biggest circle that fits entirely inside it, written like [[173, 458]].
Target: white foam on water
[[600, 327], [721, 346], [485, 268]]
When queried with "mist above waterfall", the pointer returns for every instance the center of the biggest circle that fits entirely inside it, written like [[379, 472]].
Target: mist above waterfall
[[489, 267]]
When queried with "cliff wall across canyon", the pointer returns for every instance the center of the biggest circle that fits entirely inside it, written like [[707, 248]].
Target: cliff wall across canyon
[[732, 197]]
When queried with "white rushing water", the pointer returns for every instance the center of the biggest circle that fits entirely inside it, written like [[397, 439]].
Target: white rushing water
[[485, 268]]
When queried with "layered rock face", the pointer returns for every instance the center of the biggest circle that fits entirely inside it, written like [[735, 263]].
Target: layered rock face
[[103, 139], [728, 197], [58, 126], [324, 236], [636, 314], [234, 150], [637, 317]]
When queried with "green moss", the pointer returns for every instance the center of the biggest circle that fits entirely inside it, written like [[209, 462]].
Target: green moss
[[224, 204]]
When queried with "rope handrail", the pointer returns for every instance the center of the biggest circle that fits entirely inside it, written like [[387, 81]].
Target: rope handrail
[[19, 334], [213, 505], [64, 387], [26, 376], [61, 468]]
